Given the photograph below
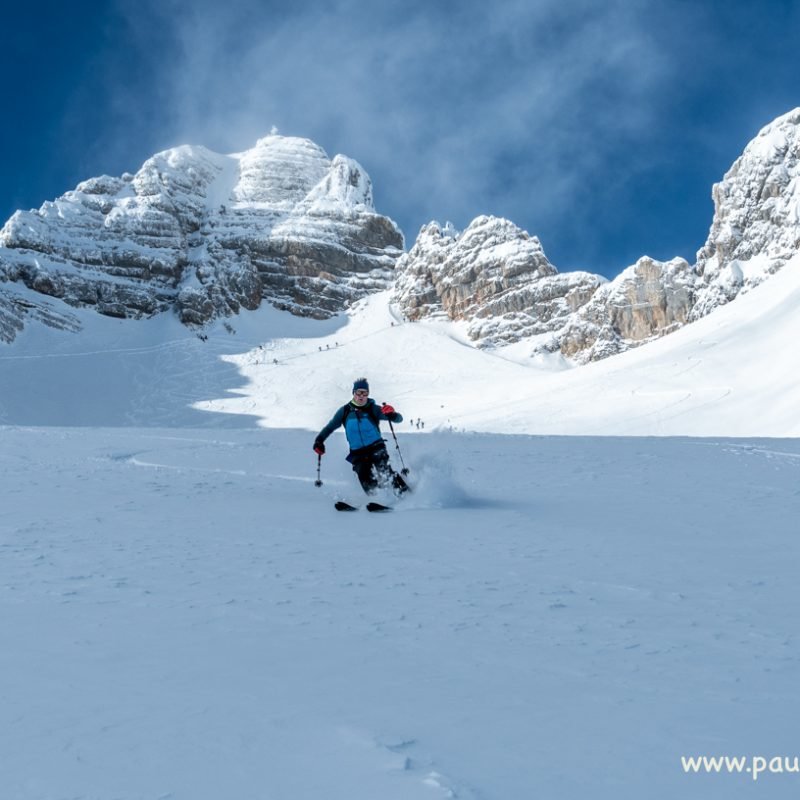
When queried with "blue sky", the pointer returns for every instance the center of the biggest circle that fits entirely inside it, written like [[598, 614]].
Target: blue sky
[[600, 127]]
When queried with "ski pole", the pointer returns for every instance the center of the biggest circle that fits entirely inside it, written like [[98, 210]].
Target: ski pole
[[318, 481], [405, 469]]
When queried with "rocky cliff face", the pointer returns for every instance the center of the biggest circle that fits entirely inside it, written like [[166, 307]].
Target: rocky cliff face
[[18, 307], [493, 275], [647, 300], [208, 235], [496, 278], [756, 225]]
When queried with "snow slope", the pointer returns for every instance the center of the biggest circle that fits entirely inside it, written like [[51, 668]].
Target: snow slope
[[187, 617], [733, 373], [184, 615], [122, 372]]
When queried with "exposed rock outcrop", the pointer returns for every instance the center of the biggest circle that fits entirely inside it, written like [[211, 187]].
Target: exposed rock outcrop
[[209, 235], [647, 300], [18, 307], [756, 225], [495, 276]]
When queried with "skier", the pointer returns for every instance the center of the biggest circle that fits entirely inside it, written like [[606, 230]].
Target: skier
[[361, 419]]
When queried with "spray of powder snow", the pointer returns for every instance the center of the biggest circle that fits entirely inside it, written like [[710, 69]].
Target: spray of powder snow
[[434, 484]]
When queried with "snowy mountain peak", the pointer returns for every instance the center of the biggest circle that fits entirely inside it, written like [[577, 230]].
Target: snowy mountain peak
[[773, 140], [344, 186], [756, 226], [208, 234], [280, 170], [496, 277], [493, 275]]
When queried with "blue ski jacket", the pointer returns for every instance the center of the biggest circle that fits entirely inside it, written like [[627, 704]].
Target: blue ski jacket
[[361, 424]]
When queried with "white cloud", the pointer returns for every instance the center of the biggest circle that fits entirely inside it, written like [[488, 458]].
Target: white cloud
[[454, 108]]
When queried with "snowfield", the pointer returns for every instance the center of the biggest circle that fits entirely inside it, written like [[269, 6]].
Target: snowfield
[[732, 373], [185, 616]]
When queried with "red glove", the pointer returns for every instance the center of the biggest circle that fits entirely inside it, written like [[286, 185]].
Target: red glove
[[319, 448], [387, 410]]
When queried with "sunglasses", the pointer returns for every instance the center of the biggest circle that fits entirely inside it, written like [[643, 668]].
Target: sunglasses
[[361, 393]]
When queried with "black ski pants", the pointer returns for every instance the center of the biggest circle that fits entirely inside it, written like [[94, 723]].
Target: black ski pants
[[371, 465]]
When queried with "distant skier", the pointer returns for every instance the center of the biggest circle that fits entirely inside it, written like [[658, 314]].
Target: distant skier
[[361, 418]]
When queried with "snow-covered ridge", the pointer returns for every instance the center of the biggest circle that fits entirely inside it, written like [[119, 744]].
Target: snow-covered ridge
[[494, 275], [727, 374], [496, 278], [756, 226], [208, 235]]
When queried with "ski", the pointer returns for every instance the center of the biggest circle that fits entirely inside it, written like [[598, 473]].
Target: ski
[[340, 505]]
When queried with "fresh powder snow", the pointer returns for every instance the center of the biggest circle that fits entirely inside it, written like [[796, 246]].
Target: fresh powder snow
[[732, 373], [185, 615]]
